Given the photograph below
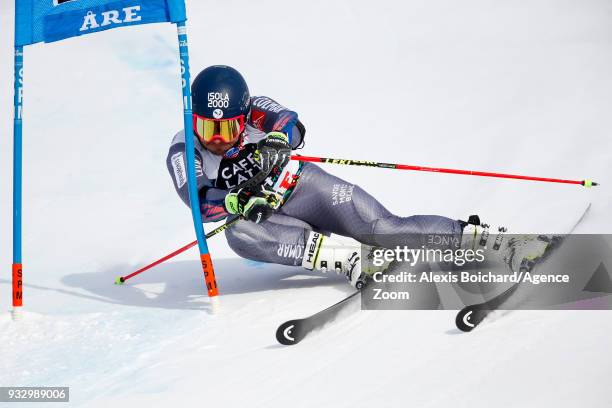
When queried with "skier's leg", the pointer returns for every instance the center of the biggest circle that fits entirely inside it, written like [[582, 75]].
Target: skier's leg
[[280, 239], [329, 203]]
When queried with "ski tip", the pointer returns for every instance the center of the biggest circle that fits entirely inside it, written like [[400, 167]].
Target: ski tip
[[589, 183], [470, 317], [463, 321], [119, 280], [287, 333]]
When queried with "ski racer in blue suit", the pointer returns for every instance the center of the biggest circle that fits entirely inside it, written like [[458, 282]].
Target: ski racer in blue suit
[[287, 216]]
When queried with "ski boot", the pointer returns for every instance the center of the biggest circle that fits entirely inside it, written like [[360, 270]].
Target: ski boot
[[519, 253], [324, 254]]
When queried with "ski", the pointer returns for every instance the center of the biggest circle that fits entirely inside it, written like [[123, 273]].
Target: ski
[[471, 316], [293, 331]]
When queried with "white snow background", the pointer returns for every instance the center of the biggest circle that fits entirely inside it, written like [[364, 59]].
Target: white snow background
[[519, 87]]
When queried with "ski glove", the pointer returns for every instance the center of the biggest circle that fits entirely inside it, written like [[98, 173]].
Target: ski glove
[[253, 203], [274, 150]]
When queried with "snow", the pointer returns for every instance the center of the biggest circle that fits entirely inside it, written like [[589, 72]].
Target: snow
[[512, 87]]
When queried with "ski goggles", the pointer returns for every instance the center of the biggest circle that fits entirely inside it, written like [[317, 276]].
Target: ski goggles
[[224, 130]]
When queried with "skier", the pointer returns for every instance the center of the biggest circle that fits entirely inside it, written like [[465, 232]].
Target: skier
[[288, 216]]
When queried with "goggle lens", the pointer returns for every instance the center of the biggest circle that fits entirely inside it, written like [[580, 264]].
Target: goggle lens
[[224, 130]]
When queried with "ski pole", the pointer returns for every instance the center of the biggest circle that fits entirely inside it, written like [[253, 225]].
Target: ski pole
[[349, 162], [121, 279]]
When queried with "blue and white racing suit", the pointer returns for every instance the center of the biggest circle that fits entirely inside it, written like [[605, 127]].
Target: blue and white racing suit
[[312, 198]]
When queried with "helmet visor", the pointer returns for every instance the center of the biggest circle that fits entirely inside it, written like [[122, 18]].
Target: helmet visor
[[224, 130]]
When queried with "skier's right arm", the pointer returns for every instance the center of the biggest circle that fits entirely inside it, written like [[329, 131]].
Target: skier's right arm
[[211, 198]]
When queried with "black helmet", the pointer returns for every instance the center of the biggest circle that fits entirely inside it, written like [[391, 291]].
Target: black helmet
[[220, 92]]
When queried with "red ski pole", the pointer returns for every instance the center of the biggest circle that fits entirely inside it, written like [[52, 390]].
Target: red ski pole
[[121, 279], [585, 183], [349, 162]]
